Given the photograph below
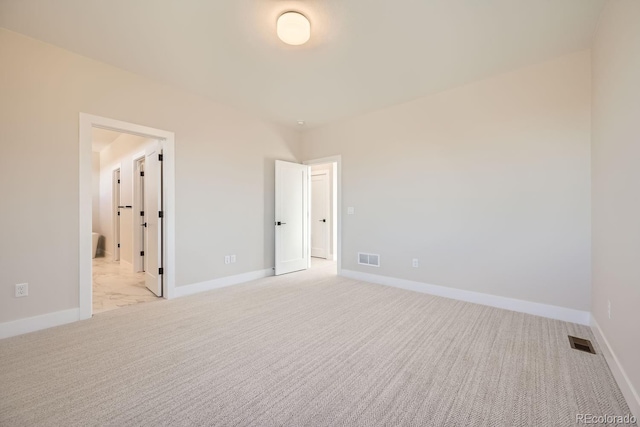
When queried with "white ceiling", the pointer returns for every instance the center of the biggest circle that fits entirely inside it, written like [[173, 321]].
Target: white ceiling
[[101, 138], [363, 54]]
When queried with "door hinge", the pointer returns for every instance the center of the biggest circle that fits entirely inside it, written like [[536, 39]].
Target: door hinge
[[141, 173], [160, 270], [141, 253], [160, 214], [141, 213], [160, 157], [118, 244]]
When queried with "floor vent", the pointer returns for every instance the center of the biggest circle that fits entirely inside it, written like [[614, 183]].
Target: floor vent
[[581, 344], [372, 260]]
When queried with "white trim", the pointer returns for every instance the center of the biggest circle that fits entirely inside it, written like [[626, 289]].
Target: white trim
[[138, 156], [630, 394], [138, 262], [36, 323], [334, 211], [87, 122], [222, 282], [337, 160], [308, 242], [535, 308]]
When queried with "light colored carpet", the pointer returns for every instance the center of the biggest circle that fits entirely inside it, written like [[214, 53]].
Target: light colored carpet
[[306, 349]]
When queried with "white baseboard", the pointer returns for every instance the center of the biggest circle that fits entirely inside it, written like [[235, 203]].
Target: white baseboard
[[538, 309], [49, 320], [181, 291], [36, 323], [630, 394]]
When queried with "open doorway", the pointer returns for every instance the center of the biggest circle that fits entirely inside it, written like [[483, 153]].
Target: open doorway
[[294, 208], [323, 215], [128, 222], [155, 261]]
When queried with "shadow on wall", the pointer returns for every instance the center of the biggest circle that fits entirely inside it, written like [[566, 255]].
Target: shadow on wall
[[269, 211]]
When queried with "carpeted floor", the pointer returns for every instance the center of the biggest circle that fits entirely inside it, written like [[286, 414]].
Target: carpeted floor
[[305, 349]]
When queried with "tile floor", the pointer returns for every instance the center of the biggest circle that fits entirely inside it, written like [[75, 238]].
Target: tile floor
[[324, 263], [115, 285]]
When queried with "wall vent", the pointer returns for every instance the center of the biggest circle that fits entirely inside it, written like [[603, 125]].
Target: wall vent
[[581, 344], [372, 260]]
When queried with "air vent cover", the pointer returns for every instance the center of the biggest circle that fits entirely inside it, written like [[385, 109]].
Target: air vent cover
[[581, 344], [372, 260]]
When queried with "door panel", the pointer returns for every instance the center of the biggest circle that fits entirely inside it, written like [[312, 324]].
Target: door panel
[[152, 209], [143, 236], [320, 219], [116, 215], [291, 215]]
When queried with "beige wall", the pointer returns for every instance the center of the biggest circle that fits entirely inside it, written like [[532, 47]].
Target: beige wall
[[119, 154], [616, 182], [224, 172], [488, 185]]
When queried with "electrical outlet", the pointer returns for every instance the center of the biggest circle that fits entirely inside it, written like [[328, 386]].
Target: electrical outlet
[[227, 259], [415, 263], [233, 259], [22, 290], [609, 308]]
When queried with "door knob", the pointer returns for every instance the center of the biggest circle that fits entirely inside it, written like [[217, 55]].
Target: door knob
[[322, 220], [280, 223]]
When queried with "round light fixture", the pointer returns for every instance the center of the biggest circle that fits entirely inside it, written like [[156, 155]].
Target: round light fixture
[[293, 28]]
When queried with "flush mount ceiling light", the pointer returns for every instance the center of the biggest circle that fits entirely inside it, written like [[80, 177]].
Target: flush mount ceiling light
[[293, 28]]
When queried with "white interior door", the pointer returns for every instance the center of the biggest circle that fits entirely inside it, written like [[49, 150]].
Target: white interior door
[[116, 215], [153, 217], [140, 264], [292, 217], [320, 215]]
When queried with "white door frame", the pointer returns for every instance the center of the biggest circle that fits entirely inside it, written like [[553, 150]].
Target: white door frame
[[338, 206], [87, 122], [138, 260], [116, 197]]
